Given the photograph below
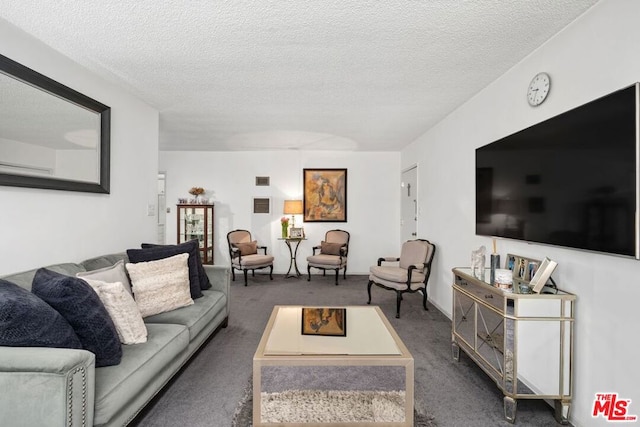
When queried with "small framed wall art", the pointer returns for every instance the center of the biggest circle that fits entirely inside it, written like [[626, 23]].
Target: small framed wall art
[[325, 195]]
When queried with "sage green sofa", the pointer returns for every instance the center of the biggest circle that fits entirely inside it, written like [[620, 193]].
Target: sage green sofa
[[62, 387]]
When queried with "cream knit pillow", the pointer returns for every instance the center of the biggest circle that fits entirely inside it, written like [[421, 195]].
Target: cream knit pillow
[[122, 309], [161, 285]]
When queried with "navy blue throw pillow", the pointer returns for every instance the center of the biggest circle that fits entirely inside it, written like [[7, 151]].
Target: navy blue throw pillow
[[193, 250], [162, 252], [79, 304], [27, 321]]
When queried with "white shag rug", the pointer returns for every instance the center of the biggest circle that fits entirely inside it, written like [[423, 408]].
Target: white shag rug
[[333, 406]]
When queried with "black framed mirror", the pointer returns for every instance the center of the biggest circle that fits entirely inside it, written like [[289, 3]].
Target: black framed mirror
[[51, 136]]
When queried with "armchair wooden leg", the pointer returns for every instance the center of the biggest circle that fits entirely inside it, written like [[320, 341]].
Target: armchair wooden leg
[[271, 272], [398, 301], [308, 273], [424, 299], [369, 290], [337, 273], [233, 274], [344, 273], [245, 277]]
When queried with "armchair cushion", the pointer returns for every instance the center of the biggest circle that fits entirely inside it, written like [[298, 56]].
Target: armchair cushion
[[396, 276], [253, 261], [331, 248], [249, 248], [323, 260]]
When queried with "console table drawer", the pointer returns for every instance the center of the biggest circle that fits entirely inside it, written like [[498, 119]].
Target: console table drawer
[[487, 295]]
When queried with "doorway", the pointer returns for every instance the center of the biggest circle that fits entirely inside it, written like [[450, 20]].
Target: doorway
[[162, 208], [409, 204]]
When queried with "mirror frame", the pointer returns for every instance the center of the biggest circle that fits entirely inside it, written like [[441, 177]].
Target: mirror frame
[[44, 83]]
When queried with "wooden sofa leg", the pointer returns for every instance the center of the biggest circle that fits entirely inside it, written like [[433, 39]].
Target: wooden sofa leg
[[245, 277]]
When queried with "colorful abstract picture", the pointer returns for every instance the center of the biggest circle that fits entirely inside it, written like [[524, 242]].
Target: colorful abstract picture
[[325, 195], [324, 321]]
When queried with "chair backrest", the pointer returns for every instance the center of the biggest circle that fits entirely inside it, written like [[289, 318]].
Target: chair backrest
[[238, 236], [338, 236], [416, 252]]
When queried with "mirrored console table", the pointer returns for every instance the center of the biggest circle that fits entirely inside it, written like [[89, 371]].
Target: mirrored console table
[[523, 341]]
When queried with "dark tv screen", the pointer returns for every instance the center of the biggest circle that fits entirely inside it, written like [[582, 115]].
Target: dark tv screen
[[568, 181]]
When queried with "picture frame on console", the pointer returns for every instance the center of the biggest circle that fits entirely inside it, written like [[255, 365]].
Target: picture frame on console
[[296, 233], [325, 321]]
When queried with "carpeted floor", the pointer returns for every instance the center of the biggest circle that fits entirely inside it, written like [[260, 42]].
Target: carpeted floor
[[208, 391]]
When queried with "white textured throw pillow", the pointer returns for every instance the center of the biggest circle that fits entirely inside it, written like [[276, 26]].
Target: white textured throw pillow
[[161, 285], [122, 309]]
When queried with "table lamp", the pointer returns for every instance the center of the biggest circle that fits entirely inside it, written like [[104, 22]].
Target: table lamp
[[293, 207]]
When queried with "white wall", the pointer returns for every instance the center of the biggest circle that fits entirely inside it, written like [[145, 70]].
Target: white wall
[[594, 56], [41, 227], [373, 199]]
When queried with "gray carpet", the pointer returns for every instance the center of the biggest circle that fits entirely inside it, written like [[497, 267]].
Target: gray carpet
[[208, 391]]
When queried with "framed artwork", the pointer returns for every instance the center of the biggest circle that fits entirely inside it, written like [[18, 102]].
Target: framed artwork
[[295, 233], [324, 321], [325, 195]]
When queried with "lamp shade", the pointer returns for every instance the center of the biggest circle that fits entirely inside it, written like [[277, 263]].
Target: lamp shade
[[293, 207]]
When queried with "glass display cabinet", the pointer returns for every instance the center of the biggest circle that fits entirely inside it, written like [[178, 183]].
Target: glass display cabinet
[[196, 222], [523, 341]]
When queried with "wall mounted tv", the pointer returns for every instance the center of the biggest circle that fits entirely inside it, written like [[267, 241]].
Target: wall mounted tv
[[570, 181]]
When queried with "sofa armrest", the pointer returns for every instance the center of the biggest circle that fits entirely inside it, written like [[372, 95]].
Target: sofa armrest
[[220, 278], [47, 386]]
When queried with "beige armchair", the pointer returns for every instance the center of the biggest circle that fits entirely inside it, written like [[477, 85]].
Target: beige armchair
[[244, 255], [332, 255], [409, 274]]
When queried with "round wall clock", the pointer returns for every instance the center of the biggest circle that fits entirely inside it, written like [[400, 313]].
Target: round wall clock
[[538, 89]]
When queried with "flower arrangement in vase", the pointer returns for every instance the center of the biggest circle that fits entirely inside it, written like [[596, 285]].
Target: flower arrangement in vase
[[197, 192], [284, 222]]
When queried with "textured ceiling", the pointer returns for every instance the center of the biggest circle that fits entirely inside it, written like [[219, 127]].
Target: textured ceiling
[[300, 74]]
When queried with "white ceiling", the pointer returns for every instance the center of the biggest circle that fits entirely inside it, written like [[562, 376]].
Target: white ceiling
[[302, 74]]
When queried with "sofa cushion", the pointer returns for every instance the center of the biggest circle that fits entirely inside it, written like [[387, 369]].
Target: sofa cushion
[[103, 261], [161, 252], [111, 274], [197, 316], [81, 307], [161, 285], [122, 309], [141, 366], [28, 321], [202, 275]]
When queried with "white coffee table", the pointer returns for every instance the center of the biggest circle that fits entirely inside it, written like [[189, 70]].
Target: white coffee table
[[370, 341]]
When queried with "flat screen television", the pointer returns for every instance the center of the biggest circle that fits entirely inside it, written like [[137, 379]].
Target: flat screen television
[[570, 181]]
